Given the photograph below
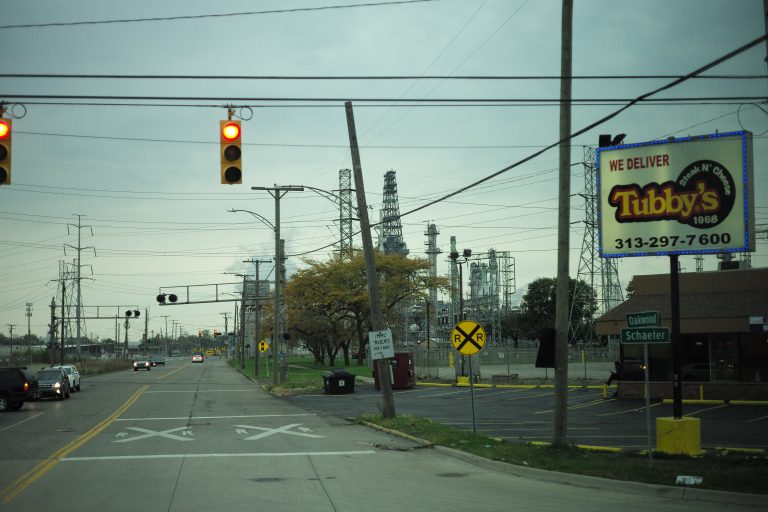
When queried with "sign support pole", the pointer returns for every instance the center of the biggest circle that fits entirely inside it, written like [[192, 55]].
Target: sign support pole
[[646, 359], [472, 394], [677, 389]]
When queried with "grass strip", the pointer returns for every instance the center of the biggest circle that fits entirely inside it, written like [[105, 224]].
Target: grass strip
[[726, 471]]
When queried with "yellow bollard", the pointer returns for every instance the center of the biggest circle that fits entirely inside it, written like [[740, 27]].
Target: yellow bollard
[[450, 359]]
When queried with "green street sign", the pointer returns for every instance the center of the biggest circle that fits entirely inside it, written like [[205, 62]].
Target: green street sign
[[645, 335], [644, 319]]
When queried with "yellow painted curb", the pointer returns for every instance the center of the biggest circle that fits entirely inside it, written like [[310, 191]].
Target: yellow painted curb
[[749, 402], [700, 402], [436, 384], [594, 448]]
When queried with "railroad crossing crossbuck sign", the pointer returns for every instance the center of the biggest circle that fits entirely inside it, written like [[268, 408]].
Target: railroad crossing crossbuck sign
[[468, 337]]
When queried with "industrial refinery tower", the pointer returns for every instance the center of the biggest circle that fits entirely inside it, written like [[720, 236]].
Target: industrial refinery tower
[[391, 233]]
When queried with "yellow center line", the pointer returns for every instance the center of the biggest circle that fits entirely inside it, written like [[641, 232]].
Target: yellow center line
[[28, 478], [177, 370]]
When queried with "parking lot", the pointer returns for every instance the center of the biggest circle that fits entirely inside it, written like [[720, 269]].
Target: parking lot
[[526, 414]]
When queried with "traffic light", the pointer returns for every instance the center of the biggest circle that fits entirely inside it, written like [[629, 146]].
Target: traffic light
[[231, 163], [5, 151]]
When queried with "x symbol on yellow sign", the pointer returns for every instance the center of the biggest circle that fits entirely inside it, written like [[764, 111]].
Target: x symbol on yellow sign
[[468, 337]]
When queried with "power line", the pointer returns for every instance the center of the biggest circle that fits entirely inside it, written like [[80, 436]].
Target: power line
[[340, 100], [377, 77], [600, 121], [220, 15]]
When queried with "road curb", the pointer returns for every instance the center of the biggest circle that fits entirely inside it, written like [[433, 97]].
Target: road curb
[[668, 491]]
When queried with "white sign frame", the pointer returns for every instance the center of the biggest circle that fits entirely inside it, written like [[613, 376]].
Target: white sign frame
[[693, 195], [381, 344]]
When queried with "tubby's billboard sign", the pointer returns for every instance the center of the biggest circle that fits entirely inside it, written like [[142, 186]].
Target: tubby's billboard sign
[[681, 196]]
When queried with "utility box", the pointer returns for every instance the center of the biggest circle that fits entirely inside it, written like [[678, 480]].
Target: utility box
[[401, 371], [338, 382]]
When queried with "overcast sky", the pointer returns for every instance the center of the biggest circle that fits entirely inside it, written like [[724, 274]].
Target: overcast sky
[[144, 174]]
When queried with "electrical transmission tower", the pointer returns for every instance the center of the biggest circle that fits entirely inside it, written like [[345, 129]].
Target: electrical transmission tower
[[600, 274], [391, 238], [345, 214], [78, 278]]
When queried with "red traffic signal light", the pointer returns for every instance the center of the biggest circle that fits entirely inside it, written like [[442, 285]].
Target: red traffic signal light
[[231, 153], [6, 132]]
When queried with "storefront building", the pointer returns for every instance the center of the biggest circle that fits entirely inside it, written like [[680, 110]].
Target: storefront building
[[724, 334]]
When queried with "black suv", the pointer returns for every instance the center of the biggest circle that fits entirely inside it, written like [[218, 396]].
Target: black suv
[[17, 385]]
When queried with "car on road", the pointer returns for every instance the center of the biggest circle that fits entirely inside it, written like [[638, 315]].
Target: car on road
[[74, 375], [157, 360], [198, 358], [142, 363], [53, 382], [17, 385]]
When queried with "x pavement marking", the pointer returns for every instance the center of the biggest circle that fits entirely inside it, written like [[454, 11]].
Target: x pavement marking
[[286, 429], [152, 433]]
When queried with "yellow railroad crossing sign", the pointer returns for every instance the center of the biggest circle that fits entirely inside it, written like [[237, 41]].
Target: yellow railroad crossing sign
[[468, 337], [263, 346]]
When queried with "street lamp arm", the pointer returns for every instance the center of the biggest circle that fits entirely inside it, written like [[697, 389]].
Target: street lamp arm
[[260, 217], [334, 198]]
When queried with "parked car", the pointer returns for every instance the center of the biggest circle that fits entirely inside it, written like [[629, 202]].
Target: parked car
[[142, 364], [198, 358], [74, 375], [157, 360], [17, 385], [53, 382]]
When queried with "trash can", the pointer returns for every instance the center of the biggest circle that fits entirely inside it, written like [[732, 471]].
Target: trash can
[[337, 382]]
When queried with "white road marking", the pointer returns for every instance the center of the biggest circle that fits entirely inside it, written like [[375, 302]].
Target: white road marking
[[285, 429], [22, 421], [204, 455], [152, 433], [204, 391], [218, 417]]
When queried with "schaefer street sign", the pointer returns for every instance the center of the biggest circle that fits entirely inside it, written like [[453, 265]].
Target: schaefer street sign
[[685, 196], [645, 335]]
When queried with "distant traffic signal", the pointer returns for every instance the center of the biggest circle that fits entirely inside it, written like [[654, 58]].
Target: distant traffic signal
[[5, 150], [231, 154], [132, 313], [169, 296]]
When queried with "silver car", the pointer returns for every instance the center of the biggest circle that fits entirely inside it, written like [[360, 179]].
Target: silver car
[[73, 374]]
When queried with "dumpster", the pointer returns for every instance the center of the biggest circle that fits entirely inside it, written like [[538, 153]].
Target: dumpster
[[338, 381], [401, 371]]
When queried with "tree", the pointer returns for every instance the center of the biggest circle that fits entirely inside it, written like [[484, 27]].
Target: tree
[[538, 305], [328, 301]]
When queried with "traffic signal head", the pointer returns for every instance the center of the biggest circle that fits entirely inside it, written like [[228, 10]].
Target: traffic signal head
[[231, 162], [5, 151]]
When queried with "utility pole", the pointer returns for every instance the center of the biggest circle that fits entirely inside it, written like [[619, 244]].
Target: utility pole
[[52, 331], [166, 333], [560, 436], [63, 316], [29, 332], [146, 328], [377, 317], [257, 313], [277, 329]]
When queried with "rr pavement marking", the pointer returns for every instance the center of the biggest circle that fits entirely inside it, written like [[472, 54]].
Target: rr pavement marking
[[285, 429], [212, 455], [163, 433]]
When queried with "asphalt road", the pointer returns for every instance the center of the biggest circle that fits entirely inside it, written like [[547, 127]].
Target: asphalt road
[[518, 414], [200, 437]]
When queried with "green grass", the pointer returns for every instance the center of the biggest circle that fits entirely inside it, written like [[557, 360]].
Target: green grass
[[729, 472], [304, 376]]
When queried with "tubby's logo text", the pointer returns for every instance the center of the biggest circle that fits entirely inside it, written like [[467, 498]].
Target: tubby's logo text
[[702, 196]]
